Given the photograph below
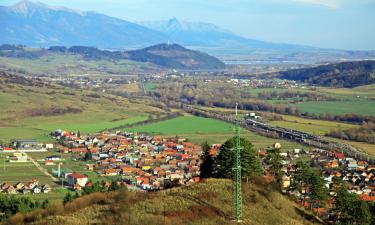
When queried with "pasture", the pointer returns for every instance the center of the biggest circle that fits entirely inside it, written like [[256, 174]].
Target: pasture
[[361, 107]]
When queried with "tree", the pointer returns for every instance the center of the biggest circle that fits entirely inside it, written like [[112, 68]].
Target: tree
[[206, 167], [68, 198], [224, 162], [350, 209], [88, 155], [309, 183], [317, 191], [274, 161]]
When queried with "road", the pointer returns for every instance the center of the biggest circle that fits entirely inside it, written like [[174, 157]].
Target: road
[[41, 168]]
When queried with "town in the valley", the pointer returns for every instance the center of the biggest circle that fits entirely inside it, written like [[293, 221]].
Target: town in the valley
[[141, 162]]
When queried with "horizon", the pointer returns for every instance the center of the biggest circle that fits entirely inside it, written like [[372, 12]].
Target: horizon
[[338, 24]]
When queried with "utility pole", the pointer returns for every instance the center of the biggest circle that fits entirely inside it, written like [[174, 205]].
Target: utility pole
[[236, 184]]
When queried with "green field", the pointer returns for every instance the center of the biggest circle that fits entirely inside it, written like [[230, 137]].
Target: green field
[[150, 86], [185, 125], [16, 172], [361, 107]]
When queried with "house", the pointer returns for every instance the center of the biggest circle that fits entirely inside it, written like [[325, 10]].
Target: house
[[77, 178], [49, 163], [49, 146], [37, 190], [46, 188], [26, 144], [53, 158], [11, 190], [286, 181], [111, 172], [18, 157], [19, 186]]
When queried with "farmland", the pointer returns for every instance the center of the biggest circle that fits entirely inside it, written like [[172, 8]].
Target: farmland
[[317, 127], [361, 107]]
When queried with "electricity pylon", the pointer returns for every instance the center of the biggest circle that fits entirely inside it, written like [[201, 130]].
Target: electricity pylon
[[236, 184]]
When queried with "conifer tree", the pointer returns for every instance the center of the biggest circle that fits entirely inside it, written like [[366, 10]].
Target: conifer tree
[[250, 162], [206, 167]]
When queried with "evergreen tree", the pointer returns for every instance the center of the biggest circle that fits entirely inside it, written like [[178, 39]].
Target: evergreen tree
[[88, 155], [274, 161], [68, 198], [206, 167], [350, 209], [224, 162], [317, 191]]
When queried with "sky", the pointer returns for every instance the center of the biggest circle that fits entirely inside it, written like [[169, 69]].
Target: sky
[[340, 24]]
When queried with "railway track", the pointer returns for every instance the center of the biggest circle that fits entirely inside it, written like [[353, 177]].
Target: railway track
[[284, 133]]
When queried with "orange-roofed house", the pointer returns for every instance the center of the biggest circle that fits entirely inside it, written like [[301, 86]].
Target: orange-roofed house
[[111, 172]]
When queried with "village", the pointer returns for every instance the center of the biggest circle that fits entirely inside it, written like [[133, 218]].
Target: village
[[149, 163]]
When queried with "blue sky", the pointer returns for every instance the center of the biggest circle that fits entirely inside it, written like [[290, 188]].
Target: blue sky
[[344, 24]]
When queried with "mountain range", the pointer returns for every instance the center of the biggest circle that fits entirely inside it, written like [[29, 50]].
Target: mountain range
[[40, 25], [37, 24]]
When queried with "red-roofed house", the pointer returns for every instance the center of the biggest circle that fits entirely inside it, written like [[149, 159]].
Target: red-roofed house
[[77, 178], [339, 155]]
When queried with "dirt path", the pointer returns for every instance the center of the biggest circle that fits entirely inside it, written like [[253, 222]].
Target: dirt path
[[42, 169]]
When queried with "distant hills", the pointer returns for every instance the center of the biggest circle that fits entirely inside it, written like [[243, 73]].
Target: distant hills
[[346, 74], [170, 56], [175, 56]]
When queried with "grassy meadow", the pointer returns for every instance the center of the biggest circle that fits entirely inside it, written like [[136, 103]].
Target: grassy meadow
[[361, 107]]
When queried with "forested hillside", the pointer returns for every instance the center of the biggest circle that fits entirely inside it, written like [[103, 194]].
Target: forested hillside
[[163, 55], [346, 74]]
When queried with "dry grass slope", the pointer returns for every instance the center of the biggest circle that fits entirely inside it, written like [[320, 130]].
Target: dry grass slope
[[208, 202]]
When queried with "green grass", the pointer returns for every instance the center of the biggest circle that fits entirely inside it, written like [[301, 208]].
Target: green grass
[[93, 126], [366, 108], [150, 86], [15, 172], [185, 125]]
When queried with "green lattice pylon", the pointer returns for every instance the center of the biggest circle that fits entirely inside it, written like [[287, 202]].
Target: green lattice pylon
[[236, 184]]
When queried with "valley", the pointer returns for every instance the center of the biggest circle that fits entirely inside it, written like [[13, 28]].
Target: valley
[[111, 113]]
